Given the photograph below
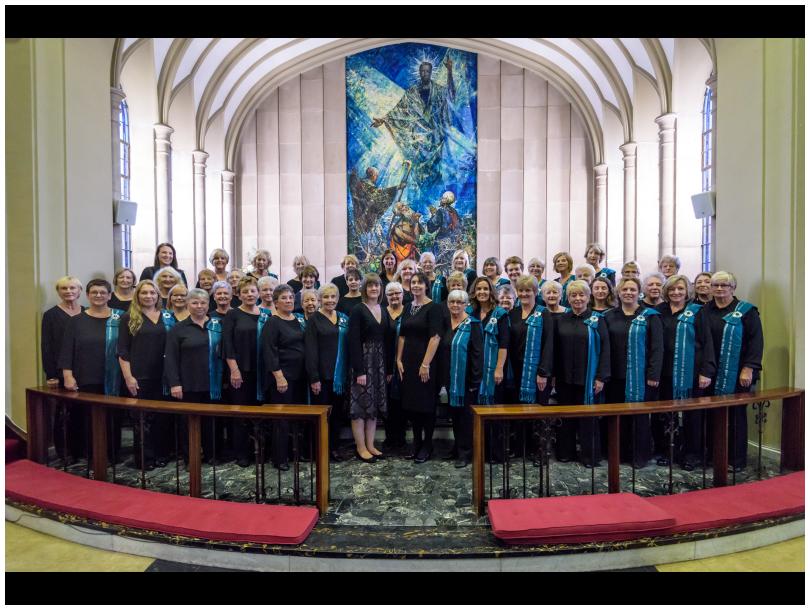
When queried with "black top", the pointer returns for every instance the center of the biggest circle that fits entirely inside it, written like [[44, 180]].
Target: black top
[[518, 332], [342, 286], [618, 327], [753, 342], [186, 363], [297, 286], [145, 350], [571, 348], [475, 356], [116, 303], [705, 363], [347, 304], [83, 349], [416, 329], [283, 348], [239, 338], [321, 347], [470, 274], [149, 274], [407, 297], [213, 313], [54, 323], [363, 327]]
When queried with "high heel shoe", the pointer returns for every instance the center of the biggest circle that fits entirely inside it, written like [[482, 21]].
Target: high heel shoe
[[370, 460]]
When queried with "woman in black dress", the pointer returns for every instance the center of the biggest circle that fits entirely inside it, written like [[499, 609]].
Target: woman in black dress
[[349, 262], [370, 364], [285, 374], [241, 328], [123, 287], [395, 422], [165, 256], [506, 296], [88, 357], [310, 301], [552, 297], [405, 272], [636, 357], [141, 345], [388, 268], [193, 364], [688, 368], [327, 361], [581, 369], [420, 333], [353, 297], [461, 347], [54, 324]]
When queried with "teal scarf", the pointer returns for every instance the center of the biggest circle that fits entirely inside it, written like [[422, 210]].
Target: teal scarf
[[683, 368], [564, 296], [730, 349], [594, 349], [458, 361], [264, 316], [486, 392], [635, 381], [531, 355], [214, 328], [608, 273], [502, 281], [341, 370], [436, 290], [169, 322], [112, 369]]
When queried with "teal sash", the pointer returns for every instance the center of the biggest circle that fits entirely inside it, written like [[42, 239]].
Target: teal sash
[[683, 367], [594, 348], [502, 281], [486, 392], [564, 296], [264, 316], [169, 322], [436, 290], [214, 328], [341, 370], [635, 381], [730, 349], [608, 273], [458, 361], [531, 355], [112, 369]]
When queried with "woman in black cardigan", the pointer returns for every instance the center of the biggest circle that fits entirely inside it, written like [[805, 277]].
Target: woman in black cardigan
[[165, 256]]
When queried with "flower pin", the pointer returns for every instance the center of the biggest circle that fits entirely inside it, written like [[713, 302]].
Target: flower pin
[[688, 313], [641, 318], [593, 319], [737, 314]]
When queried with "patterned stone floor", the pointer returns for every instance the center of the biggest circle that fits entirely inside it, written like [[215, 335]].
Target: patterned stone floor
[[397, 492]]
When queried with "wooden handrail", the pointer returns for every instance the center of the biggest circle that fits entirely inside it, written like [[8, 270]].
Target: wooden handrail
[[37, 420], [792, 442]]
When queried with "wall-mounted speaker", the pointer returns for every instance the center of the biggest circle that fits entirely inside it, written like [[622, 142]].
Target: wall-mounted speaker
[[125, 212], [703, 204]]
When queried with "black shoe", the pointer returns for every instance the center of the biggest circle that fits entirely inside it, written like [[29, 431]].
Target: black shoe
[[589, 465], [662, 461], [370, 460], [285, 466], [335, 456], [737, 469], [423, 456], [243, 462], [461, 462], [161, 462], [688, 467], [379, 457]]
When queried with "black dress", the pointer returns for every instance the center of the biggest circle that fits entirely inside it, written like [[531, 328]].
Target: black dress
[[149, 274], [417, 329], [347, 304], [321, 339], [367, 342], [395, 422], [116, 303], [54, 323]]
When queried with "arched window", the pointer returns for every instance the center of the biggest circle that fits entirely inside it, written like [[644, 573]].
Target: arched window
[[123, 170], [707, 167]]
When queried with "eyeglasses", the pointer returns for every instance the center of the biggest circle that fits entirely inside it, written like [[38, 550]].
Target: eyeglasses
[[391, 294], [721, 285]]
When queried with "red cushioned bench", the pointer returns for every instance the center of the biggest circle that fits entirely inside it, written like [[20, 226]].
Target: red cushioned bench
[[32, 483], [625, 516], [15, 450]]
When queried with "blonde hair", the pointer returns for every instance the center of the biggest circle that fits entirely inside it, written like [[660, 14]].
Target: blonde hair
[[265, 253], [463, 253], [551, 285], [169, 305], [349, 257], [674, 279], [725, 275], [135, 311], [69, 279], [527, 281], [624, 280], [578, 285], [458, 276], [587, 267], [329, 287]]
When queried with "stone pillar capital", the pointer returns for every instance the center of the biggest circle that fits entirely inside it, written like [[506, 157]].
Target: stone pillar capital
[[199, 157], [711, 82], [228, 177], [163, 132], [666, 122], [628, 150], [600, 170], [116, 97]]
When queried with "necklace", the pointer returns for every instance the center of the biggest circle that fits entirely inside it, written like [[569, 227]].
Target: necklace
[[415, 308]]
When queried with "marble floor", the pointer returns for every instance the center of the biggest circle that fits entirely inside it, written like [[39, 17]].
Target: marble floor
[[396, 492]]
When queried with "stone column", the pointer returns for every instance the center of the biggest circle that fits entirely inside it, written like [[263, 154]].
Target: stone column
[[666, 183], [116, 97], [228, 216], [629, 159], [600, 204], [163, 182], [200, 253]]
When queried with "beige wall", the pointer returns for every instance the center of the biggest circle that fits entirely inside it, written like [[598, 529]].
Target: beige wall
[[760, 195], [58, 181]]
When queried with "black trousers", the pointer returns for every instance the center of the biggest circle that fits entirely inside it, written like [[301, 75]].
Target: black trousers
[[241, 429], [737, 429], [396, 422], [327, 396], [636, 432], [296, 394], [689, 441], [462, 425], [158, 427], [423, 425], [206, 427], [587, 428]]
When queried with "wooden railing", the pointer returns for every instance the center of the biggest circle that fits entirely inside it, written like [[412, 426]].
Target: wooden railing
[[38, 428], [792, 445]]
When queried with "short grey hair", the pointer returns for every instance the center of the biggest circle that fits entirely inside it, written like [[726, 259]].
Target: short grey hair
[[393, 286], [171, 271], [267, 279], [578, 285], [670, 258], [508, 288], [649, 276], [586, 266], [197, 293], [306, 291], [329, 286], [218, 251], [221, 284], [261, 252], [536, 261], [459, 295], [426, 255], [549, 285]]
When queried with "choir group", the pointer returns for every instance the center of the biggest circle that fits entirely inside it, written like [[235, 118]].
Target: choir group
[[390, 346]]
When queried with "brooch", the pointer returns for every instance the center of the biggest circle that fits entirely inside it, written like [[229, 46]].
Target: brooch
[[688, 313], [594, 319], [641, 318], [737, 314]]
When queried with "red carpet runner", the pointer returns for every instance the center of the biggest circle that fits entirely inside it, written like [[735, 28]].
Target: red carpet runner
[[196, 517]]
